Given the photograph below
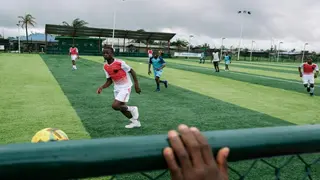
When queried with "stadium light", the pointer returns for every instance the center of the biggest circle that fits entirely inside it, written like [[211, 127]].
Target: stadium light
[[304, 49], [272, 43], [19, 36], [190, 36], [279, 51], [241, 31], [221, 47], [114, 24], [251, 50]]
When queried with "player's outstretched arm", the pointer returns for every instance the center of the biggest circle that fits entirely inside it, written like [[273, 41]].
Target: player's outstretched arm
[[316, 74], [299, 69], [105, 85], [163, 66], [136, 82], [163, 63], [317, 71], [149, 66]]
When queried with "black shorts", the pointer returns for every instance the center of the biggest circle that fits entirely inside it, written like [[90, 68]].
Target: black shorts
[[216, 63]]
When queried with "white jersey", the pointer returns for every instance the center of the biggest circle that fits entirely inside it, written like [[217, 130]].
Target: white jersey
[[215, 57]]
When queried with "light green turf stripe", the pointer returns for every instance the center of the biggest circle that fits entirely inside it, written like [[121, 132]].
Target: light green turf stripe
[[287, 105], [31, 100], [238, 69], [293, 67], [282, 64]]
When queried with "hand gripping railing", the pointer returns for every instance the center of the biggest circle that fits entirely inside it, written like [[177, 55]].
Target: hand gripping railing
[[99, 157]]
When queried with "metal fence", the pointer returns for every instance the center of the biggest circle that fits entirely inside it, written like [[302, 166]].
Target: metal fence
[[237, 175], [125, 155]]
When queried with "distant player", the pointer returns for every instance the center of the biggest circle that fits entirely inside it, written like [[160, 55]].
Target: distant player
[[158, 64], [202, 58], [74, 53], [308, 75], [150, 54], [227, 61], [117, 72], [215, 61]]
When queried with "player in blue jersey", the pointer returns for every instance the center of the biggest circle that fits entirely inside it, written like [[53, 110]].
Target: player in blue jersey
[[227, 60], [158, 64]]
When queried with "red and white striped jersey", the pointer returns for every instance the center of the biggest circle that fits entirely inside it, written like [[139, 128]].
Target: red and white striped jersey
[[118, 71], [309, 68], [73, 51]]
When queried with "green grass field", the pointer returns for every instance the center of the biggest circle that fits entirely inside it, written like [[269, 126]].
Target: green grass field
[[43, 91]]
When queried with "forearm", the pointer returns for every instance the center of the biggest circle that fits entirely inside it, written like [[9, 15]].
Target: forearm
[[164, 65], [107, 84], [299, 69], [134, 76]]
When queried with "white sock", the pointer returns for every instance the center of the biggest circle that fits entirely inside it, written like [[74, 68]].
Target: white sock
[[311, 90], [133, 120], [130, 108]]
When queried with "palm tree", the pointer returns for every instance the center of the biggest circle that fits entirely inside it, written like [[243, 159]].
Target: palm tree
[[25, 21], [76, 24], [180, 43]]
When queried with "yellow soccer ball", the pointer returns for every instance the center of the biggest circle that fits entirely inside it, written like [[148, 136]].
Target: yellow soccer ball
[[48, 135]]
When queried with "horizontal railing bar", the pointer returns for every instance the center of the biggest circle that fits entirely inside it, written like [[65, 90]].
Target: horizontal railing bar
[[97, 157]]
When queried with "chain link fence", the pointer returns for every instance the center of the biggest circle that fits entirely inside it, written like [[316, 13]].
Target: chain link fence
[[298, 167]]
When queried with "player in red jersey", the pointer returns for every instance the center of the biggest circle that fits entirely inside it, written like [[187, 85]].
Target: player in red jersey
[[308, 75], [150, 54], [117, 72], [74, 53]]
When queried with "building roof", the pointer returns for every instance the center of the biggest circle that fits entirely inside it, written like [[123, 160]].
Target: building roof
[[99, 32], [37, 37]]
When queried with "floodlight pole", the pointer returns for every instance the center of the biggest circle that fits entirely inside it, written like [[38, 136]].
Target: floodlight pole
[[19, 37], [190, 36], [279, 51], [114, 25], [221, 47], [241, 31], [272, 44], [304, 49], [251, 50]]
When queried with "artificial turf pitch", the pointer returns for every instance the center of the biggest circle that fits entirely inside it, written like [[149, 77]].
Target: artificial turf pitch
[[44, 92]]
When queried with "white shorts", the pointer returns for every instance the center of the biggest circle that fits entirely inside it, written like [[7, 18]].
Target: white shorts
[[122, 95], [308, 79], [150, 55], [74, 57]]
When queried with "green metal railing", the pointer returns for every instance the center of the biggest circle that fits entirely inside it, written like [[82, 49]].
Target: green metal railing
[[102, 157]]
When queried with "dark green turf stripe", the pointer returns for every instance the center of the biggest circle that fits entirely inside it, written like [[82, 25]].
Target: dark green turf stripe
[[240, 76], [159, 111]]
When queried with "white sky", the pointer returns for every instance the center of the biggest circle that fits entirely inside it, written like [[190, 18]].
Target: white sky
[[292, 21]]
